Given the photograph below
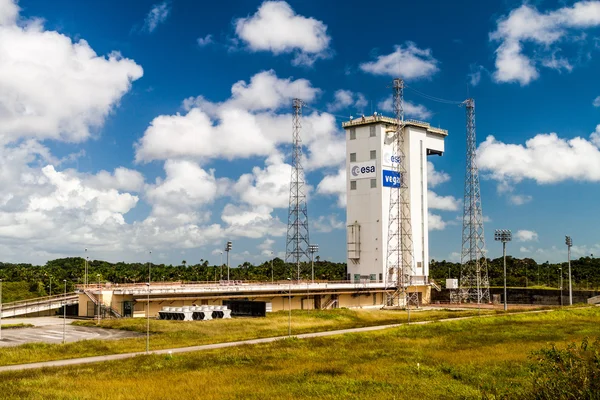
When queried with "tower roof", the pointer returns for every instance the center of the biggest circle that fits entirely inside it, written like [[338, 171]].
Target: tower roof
[[374, 119]]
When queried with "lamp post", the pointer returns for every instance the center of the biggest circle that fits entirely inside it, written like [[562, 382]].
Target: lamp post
[[312, 249], [561, 285], [569, 243], [149, 267], [290, 307], [221, 276], [85, 278], [228, 249], [99, 292], [148, 319], [272, 280], [504, 236], [0, 309], [50, 290], [65, 313]]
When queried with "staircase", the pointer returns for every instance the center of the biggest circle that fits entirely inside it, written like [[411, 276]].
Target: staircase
[[101, 306], [435, 285], [330, 303]]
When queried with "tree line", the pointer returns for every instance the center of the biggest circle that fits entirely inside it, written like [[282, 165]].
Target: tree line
[[27, 280]]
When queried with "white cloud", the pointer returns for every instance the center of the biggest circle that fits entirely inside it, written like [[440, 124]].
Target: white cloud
[[205, 41], [520, 199], [9, 11], [334, 185], [417, 111], [243, 126], [275, 27], [326, 224], [596, 102], [527, 25], [435, 222], [445, 203], [407, 62], [269, 186], [526, 236], [545, 158], [475, 74], [158, 14], [344, 99], [434, 177], [53, 88], [252, 222]]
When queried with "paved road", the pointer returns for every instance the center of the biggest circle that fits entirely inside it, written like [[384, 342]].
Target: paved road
[[50, 330], [113, 357]]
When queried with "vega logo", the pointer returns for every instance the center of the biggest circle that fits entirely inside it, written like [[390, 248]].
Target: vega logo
[[363, 170], [391, 179]]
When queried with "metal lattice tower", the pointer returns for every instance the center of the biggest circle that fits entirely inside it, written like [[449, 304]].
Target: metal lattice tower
[[297, 233], [474, 283], [400, 243]]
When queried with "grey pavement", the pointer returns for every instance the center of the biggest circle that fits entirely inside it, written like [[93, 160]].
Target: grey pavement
[[50, 330], [113, 357]]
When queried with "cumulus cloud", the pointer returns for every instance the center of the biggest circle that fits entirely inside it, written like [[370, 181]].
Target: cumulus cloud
[[52, 87], [526, 24], [406, 61], [344, 99], [526, 236], [475, 74], [205, 41], [245, 125], [157, 15], [435, 222], [596, 102], [546, 159], [269, 186], [434, 177], [417, 111], [334, 185], [275, 27], [445, 203], [327, 223]]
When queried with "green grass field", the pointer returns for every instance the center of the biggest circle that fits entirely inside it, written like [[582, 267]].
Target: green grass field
[[170, 334], [465, 359]]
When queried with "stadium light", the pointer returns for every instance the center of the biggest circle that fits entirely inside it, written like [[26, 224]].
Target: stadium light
[[504, 236], [312, 249], [228, 249]]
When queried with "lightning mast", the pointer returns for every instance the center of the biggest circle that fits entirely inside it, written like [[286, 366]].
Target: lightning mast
[[400, 243], [297, 242], [474, 283]]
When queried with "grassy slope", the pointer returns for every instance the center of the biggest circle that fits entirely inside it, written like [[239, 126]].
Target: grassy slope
[[170, 334], [460, 359]]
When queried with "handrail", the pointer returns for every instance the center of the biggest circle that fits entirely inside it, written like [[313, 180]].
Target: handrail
[[35, 300]]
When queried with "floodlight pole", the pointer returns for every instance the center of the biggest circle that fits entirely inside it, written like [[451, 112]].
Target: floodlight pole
[[221, 276], [228, 249], [503, 235], [561, 286], [85, 280], [313, 248], [569, 243]]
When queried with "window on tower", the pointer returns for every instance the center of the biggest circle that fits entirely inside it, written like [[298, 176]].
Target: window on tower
[[373, 154], [372, 131], [352, 157], [373, 183], [352, 133], [352, 185]]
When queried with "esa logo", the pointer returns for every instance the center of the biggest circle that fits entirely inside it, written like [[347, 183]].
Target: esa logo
[[368, 169], [390, 158]]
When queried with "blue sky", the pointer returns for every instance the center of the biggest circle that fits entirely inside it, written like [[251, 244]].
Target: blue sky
[[165, 126]]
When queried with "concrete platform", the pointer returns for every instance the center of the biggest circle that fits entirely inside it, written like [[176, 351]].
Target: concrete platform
[[50, 330]]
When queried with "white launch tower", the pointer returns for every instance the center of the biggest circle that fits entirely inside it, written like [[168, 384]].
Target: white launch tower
[[370, 175]]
